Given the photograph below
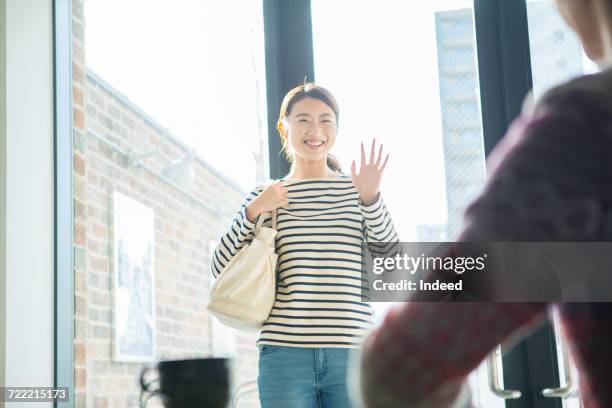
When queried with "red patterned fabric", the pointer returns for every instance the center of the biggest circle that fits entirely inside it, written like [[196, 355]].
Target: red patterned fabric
[[550, 180]]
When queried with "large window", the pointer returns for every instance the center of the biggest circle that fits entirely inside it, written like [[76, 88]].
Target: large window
[[196, 68], [410, 80], [556, 53], [170, 133], [170, 130]]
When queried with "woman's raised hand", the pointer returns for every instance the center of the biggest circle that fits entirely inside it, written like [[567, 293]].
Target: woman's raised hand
[[271, 198], [367, 182]]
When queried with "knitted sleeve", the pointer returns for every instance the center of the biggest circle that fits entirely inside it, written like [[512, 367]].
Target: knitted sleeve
[[546, 182]]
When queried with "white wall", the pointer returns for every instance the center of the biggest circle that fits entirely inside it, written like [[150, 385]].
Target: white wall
[[28, 272]]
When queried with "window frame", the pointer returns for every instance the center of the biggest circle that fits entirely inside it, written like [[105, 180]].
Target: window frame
[[63, 189], [289, 60]]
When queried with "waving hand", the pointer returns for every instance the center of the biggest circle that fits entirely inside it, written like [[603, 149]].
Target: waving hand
[[367, 182]]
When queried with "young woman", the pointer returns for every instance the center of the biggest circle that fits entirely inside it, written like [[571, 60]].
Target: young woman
[[324, 217], [550, 180]]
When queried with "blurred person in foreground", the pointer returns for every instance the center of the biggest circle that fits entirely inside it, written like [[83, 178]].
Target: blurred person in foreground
[[550, 180]]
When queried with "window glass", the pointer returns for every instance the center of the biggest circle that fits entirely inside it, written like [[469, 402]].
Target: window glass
[[170, 133], [556, 53], [405, 73], [410, 81], [556, 56]]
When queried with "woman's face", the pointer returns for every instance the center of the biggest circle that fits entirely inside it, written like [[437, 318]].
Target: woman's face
[[310, 129], [581, 16]]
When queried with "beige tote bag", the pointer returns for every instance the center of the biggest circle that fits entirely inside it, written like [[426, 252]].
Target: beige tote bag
[[243, 295]]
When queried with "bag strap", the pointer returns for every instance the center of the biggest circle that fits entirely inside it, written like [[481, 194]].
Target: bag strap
[[273, 214], [274, 219], [261, 220]]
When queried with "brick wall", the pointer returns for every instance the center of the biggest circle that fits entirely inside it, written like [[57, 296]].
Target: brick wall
[[185, 226], [80, 202]]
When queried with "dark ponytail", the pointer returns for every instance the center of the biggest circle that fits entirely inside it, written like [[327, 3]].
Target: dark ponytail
[[333, 163]]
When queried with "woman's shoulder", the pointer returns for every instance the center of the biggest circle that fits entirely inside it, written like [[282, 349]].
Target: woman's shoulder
[[261, 186], [258, 188], [572, 120], [574, 117], [339, 176], [587, 95]]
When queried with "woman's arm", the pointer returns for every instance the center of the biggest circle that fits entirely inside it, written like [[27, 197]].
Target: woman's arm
[[547, 165], [239, 234], [260, 202], [378, 229]]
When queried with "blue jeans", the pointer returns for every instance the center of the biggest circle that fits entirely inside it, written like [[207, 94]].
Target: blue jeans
[[302, 377]]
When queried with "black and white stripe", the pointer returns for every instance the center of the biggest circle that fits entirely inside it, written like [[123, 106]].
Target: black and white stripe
[[320, 233]]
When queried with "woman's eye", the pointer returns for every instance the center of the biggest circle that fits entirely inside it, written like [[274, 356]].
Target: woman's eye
[[303, 121]]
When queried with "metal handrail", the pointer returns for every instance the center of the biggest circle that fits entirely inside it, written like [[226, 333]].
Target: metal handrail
[[568, 390], [494, 383]]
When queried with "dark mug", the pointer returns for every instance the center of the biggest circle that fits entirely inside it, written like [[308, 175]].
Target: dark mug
[[195, 383]]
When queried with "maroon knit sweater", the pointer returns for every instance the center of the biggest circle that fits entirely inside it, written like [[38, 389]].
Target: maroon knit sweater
[[550, 180]]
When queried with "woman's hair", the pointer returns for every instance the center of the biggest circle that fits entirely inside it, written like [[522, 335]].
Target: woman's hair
[[307, 90]]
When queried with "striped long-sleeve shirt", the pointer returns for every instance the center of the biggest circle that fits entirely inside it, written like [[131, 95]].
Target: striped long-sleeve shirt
[[320, 236]]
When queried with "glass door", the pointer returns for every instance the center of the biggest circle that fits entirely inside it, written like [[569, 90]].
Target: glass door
[[556, 56], [405, 73]]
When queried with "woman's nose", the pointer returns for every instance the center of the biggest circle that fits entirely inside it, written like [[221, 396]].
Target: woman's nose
[[314, 129]]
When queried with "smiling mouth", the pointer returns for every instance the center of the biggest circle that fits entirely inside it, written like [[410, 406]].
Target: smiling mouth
[[311, 143]]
